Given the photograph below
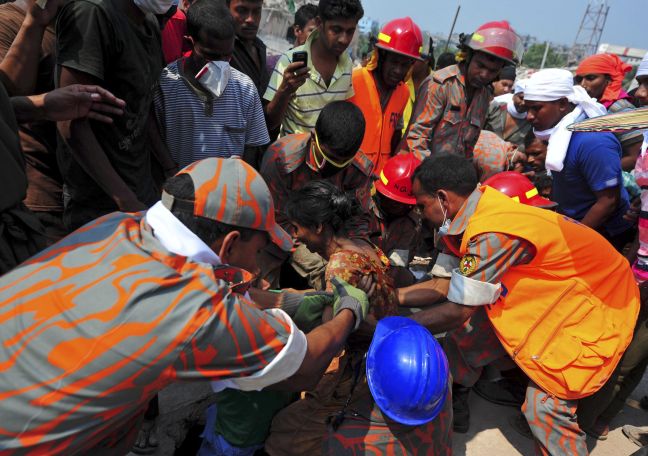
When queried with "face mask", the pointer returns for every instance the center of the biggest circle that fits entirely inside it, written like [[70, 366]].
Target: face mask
[[317, 149], [445, 226], [214, 76], [154, 6]]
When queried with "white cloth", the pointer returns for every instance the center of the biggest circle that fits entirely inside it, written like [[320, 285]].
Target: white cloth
[[553, 84], [214, 76], [154, 6], [284, 366], [505, 98], [519, 86], [510, 107], [178, 239], [643, 67], [471, 292]]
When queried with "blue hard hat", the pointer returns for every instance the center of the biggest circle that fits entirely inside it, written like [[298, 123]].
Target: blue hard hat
[[407, 371]]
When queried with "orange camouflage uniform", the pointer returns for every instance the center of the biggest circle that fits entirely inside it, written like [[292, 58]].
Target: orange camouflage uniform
[[442, 120]]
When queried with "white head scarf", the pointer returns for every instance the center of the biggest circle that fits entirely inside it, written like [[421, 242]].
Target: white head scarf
[[553, 84], [643, 67]]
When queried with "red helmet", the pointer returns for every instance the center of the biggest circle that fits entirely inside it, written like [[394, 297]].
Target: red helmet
[[396, 178], [499, 39], [518, 187], [402, 36]]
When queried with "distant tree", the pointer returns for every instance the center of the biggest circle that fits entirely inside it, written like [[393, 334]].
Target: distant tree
[[533, 57]]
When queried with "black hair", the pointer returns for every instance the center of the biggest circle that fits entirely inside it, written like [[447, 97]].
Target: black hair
[[319, 202], [212, 17], [227, 2], [445, 60], [341, 127], [447, 172], [209, 231], [542, 181], [340, 9], [530, 137], [507, 72], [303, 16]]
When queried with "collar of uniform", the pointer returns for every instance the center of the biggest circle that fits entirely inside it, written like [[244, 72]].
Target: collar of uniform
[[344, 63], [460, 221]]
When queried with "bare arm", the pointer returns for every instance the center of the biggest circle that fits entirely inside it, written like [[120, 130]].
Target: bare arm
[[90, 155], [606, 202], [444, 317], [294, 76], [324, 342], [19, 68], [425, 293]]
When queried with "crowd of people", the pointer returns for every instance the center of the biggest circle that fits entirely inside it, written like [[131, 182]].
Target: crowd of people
[[180, 205]]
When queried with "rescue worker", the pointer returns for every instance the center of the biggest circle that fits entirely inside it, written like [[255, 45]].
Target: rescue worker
[[396, 225], [451, 106], [329, 152], [558, 297], [97, 324], [507, 119], [380, 90]]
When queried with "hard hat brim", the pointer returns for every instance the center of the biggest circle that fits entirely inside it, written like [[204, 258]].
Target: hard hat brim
[[388, 49]]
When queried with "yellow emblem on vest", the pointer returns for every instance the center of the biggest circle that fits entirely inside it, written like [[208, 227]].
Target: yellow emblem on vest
[[468, 264]]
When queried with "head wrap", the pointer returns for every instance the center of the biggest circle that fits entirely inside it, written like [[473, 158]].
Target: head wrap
[[507, 72], [606, 64], [551, 85], [519, 86], [643, 67]]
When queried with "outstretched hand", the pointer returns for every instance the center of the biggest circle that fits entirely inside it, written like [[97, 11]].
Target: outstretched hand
[[346, 296], [82, 101]]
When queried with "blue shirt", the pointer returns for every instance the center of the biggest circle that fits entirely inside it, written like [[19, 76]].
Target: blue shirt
[[592, 164]]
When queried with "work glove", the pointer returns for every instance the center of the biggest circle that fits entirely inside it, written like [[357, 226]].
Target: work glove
[[306, 308], [346, 296]]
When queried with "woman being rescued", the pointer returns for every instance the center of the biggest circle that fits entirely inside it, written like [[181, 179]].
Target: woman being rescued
[[340, 416]]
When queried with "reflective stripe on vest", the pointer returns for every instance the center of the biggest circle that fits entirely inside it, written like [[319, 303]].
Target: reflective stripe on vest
[[380, 126], [566, 317]]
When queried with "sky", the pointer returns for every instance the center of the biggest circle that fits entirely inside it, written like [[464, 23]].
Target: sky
[[553, 20]]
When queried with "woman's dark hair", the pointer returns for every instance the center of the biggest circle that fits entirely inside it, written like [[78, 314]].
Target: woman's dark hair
[[209, 231], [447, 172], [341, 127], [321, 203], [212, 17], [340, 9]]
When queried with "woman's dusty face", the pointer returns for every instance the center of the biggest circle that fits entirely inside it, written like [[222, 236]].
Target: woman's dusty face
[[312, 238]]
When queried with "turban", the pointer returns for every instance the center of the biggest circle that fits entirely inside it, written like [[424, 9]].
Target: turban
[[519, 86], [553, 84], [606, 64], [643, 67]]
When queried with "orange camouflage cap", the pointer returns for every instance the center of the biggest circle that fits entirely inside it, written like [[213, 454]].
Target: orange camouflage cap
[[230, 191]]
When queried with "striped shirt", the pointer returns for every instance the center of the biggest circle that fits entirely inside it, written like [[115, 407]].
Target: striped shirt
[[309, 100], [196, 125]]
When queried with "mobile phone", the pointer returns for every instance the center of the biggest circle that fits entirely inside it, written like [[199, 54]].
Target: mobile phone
[[300, 56]]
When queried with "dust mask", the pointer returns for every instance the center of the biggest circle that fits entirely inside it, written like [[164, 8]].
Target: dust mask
[[214, 76]]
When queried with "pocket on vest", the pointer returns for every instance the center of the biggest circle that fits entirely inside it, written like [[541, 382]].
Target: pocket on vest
[[572, 339]]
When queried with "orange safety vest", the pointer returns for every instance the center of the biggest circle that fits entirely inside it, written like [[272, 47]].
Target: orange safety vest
[[380, 126], [566, 317]]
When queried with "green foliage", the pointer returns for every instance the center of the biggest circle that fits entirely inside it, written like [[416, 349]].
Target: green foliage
[[533, 57]]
